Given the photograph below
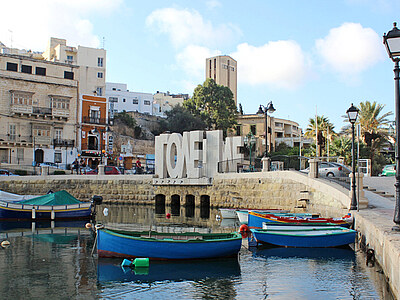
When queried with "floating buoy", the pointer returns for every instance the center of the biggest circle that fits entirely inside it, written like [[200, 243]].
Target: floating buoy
[[217, 217], [88, 225], [137, 263], [5, 244], [168, 215], [244, 230], [105, 211]]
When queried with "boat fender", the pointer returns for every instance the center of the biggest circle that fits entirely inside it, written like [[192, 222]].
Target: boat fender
[[217, 217], [5, 244], [88, 225], [126, 263], [141, 262], [105, 211], [244, 230], [168, 216]]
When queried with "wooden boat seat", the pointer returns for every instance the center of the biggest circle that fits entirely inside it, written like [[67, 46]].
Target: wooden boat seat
[[173, 237]]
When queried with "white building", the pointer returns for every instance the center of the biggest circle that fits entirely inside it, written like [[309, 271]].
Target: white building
[[121, 99], [163, 102]]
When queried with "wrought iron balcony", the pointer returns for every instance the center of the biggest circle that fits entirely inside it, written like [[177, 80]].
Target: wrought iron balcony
[[94, 120], [63, 143]]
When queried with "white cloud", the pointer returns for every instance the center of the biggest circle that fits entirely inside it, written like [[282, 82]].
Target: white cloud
[[184, 26], [32, 23], [213, 4], [192, 60], [280, 64], [350, 48]]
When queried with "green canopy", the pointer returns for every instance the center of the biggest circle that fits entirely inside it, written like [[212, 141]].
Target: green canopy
[[57, 198]]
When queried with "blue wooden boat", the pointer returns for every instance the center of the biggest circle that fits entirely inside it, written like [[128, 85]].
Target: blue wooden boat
[[163, 246], [311, 237], [58, 205], [256, 220]]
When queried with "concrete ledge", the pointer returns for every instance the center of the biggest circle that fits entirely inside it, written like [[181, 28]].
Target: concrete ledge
[[376, 227]]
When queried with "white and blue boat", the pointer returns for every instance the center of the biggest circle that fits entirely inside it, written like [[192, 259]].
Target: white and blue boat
[[167, 246], [310, 237]]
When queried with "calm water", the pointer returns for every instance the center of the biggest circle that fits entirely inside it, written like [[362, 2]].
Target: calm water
[[56, 263]]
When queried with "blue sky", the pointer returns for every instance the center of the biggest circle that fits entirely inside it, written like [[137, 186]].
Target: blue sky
[[305, 56]]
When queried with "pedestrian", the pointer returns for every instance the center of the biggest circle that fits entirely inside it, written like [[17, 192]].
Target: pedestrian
[[75, 165], [82, 165], [138, 166]]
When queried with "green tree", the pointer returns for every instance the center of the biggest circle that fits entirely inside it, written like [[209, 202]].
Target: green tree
[[179, 119], [126, 119], [341, 147], [325, 130], [214, 104]]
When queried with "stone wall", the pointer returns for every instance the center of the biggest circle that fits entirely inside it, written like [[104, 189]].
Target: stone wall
[[248, 190]]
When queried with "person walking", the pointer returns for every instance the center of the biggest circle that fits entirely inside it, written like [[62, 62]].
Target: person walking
[[75, 166]]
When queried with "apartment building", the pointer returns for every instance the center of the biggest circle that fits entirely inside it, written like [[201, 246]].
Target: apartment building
[[38, 110], [121, 99], [279, 131], [163, 102], [223, 69]]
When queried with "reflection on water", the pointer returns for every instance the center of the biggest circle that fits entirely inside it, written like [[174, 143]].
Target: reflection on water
[[54, 259]]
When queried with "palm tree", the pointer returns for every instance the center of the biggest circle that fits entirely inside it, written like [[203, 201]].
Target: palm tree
[[341, 147], [325, 131]]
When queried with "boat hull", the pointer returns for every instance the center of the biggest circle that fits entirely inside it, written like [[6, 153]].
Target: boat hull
[[307, 239], [256, 220], [112, 244], [16, 211]]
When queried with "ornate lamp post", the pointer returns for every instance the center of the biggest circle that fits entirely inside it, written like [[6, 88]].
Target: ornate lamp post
[[263, 111], [392, 42], [352, 114]]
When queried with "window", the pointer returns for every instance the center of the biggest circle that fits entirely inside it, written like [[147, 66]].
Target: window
[[12, 67], [94, 116], [40, 71], [20, 154], [238, 130], [100, 62], [114, 89], [41, 130], [57, 157], [58, 134], [12, 132], [135, 101], [99, 91], [21, 98], [146, 102], [70, 58], [112, 99], [60, 103], [26, 69], [253, 129], [68, 75], [124, 100], [99, 74]]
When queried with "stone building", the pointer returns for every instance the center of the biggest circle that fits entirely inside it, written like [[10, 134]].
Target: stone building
[[223, 69], [38, 111], [163, 102]]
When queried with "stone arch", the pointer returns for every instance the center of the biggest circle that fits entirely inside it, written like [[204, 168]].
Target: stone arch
[[160, 204], [190, 200], [175, 205], [205, 206]]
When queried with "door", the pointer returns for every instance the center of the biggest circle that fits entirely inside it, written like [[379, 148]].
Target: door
[[39, 155]]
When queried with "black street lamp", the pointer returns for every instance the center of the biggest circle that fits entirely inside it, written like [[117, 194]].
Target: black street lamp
[[352, 114], [392, 42], [263, 111]]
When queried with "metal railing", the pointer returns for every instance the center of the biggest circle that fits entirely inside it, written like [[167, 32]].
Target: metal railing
[[63, 143], [94, 120]]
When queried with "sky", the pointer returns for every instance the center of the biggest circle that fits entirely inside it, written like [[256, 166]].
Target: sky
[[306, 56]]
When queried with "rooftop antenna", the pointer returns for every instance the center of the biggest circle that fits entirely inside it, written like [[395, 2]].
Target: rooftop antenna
[[11, 38]]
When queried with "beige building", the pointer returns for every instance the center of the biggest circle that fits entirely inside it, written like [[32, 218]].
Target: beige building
[[163, 102], [38, 110], [223, 69], [279, 131], [92, 63]]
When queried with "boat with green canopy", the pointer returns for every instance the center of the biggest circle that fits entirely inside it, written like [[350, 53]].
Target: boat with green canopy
[[57, 205]]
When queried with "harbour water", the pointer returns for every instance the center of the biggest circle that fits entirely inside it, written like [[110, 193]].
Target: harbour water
[[54, 261]]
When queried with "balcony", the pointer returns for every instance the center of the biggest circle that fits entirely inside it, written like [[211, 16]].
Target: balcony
[[42, 140], [21, 109], [63, 143], [41, 111], [61, 113], [94, 120], [7, 139]]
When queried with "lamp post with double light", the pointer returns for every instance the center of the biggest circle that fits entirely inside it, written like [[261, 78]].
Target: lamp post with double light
[[392, 42], [352, 114], [263, 111]]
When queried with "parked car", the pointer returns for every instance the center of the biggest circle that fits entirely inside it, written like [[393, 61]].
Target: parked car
[[4, 172], [108, 170], [330, 169], [388, 170]]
